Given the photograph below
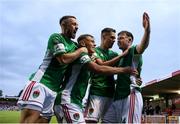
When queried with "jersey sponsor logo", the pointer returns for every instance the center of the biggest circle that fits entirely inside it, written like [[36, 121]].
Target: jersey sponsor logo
[[59, 47], [76, 116], [84, 59], [36, 93], [91, 110]]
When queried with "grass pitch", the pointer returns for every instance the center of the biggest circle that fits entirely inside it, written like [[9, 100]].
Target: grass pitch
[[13, 117]]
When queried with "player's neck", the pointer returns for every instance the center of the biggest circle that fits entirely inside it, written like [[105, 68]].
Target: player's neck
[[103, 47], [65, 35]]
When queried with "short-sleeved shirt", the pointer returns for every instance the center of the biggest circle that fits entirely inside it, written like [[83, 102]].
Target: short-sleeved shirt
[[51, 72], [77, 82], [103, 85], [123, 80]]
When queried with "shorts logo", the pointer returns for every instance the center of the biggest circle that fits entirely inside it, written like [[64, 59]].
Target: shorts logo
[[36, 93], [91, 110], [76, 116]]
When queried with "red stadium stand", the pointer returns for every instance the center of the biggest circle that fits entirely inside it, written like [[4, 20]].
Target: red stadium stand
[[166, 93]]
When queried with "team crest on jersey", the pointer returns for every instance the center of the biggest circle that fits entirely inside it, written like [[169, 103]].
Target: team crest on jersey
[[76, 116], [36, 93], [91, 110]]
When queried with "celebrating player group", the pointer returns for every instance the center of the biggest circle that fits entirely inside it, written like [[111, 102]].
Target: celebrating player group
[[75, 81]]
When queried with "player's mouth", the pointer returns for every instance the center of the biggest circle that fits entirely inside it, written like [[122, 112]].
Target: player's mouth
[[75, 30], [93, 47], [74, 33]]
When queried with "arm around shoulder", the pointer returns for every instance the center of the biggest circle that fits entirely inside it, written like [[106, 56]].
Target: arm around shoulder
[[70, 57], [108, 70]]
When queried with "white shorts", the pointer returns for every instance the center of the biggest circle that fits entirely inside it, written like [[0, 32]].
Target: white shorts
[[38, 97], [58, 113], [97, 107], [73, 113], [127, 110]]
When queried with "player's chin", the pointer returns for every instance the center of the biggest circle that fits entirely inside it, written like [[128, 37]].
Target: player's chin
[[91, 51], [111, 46]]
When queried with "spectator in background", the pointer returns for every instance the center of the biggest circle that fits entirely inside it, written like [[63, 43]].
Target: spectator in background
[[173, 107], [151, 110], [169, 111], [158, 109]]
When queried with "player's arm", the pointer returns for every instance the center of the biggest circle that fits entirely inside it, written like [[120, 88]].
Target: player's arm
[[145, 39], [57, 47], [110, 70], [70, 57], [113, 61]]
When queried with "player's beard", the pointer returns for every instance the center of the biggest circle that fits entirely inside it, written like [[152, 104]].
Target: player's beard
[[72, 33], [119, 45], [111, 45]]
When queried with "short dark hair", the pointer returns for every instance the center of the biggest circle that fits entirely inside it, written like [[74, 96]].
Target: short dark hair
[[108, 30], [65, 17], [83, 36], [129, 34]]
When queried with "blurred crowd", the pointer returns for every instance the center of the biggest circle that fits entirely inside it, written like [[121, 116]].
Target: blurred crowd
[[8, 106]]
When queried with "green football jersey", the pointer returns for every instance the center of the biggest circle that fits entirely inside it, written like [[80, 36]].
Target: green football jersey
[[77, 82], [51, 72], [103, 85], [123, 80]]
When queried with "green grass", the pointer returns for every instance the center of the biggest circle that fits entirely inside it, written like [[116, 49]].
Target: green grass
[[13, 117]]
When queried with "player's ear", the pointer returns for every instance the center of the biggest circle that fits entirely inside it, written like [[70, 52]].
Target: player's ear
[[103, 36], [130, 40], [82, 43], [63, 24]]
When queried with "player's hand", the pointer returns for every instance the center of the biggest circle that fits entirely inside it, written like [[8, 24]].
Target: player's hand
[[134, 72], [138, 81], [124, 53], [83, 50], [131, 71], [146, 22]]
